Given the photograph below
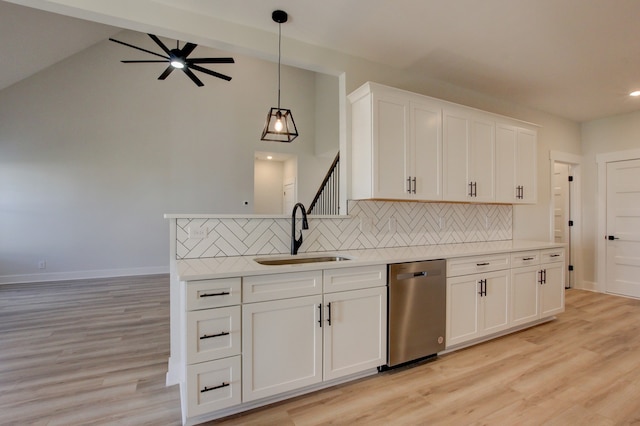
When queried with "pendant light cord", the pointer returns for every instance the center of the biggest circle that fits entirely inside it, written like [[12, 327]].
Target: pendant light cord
[[279, 55]]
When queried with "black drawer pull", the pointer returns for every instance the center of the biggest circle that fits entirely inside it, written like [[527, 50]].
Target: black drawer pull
[[223, 385], [224, 293], [554, 255], [483, 264], [224, 333], [528, 258]]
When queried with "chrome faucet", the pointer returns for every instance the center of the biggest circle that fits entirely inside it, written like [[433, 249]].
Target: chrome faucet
[[295, 244]]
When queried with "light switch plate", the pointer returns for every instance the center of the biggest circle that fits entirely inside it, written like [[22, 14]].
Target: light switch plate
[[198, 232]]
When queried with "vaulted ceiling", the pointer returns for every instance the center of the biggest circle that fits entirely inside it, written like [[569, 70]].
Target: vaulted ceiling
[[577, 59]]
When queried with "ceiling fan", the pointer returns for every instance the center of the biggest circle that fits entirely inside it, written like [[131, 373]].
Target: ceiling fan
[[178, 59]]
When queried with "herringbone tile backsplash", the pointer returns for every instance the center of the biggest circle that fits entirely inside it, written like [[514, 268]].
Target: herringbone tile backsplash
[[372, 224]]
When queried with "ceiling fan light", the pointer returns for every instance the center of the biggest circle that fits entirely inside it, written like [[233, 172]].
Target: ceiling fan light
[[177, 63], [636, 93]]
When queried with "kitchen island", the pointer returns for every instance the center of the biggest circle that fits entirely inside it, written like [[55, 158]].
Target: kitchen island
[[246, 334]]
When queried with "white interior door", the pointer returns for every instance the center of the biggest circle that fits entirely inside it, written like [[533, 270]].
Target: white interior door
[[623, 228], [560, 202]]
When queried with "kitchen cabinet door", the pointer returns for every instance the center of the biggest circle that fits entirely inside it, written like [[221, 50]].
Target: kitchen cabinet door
[[552, 290], [396, 145], [424, 168], [525, 305], [516, 165], [468, 156], [355, 331], [481, 160], [477, 305], [463, 306], [391, 147], [379, 144], [281, 346]]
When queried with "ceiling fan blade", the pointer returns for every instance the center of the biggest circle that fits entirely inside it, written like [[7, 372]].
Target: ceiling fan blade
[[161, 44], [138, 48], [210, 61], [141, 62], [193, 77], [206, 71], [166, 72], [187, 49]]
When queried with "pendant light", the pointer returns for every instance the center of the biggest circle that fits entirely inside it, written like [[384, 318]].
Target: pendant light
[[279, 126]]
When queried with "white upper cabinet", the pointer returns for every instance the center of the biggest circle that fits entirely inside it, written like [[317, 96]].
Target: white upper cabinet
[[396, 145], [406, 146], [516, 171], [469, 156]]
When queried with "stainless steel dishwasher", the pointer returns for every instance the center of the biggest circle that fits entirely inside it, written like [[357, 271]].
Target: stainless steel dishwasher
[[417, 310]]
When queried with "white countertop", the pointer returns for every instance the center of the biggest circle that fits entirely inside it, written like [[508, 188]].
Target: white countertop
[[236, 266]]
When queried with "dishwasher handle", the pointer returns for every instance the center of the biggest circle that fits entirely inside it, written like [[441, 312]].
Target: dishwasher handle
[[418, 274]]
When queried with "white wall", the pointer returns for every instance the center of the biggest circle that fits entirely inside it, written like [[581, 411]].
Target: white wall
[[93, 152], [611, 134], [267, 184], [555, 133]]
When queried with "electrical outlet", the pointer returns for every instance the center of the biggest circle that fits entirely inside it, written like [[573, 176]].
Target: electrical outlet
[[42, 264], [366, 224], [198, 232]]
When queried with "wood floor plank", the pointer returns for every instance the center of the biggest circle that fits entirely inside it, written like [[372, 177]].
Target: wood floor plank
[[95, 352]]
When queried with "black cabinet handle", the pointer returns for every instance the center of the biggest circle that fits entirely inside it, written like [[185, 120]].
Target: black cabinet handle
[[224, 293], [483, 264], [329, 317], [554, 255], [470, 189], [611, 238], [528, 258], [540, 279], [483, 288], [414, 184], [409, 184], [320, 313], [223, 385], [544, 274], [224, 333]]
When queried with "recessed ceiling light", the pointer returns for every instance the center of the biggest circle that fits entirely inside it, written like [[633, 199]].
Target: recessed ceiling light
[[269, 157], [636, 93]]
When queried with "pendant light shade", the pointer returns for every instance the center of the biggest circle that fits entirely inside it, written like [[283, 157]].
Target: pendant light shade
[[279, 126]]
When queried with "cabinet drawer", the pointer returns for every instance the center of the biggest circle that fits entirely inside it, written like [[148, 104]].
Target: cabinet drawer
[[552, 255], [525, 258], [475, 264], [213, 385], [213, 334], [354, 278], [261, 288], [212, 293]]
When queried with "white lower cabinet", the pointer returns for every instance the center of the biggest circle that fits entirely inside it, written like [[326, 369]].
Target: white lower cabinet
[[525, 294], [552, 289], [355, 331], [282, 346], [537, 291], [213, 385], [291, 343], [493, 294], [476, 306]]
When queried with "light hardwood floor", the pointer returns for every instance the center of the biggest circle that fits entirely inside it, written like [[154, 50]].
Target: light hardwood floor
[[95, 352]]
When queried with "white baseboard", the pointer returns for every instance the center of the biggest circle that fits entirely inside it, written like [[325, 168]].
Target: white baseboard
[[81, 275], [588, 285]]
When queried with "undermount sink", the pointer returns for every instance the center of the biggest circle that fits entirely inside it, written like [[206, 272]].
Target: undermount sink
[[294, 260]]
